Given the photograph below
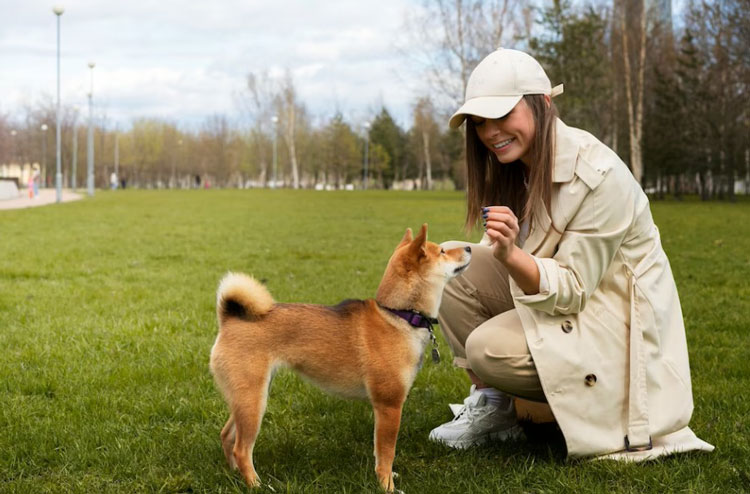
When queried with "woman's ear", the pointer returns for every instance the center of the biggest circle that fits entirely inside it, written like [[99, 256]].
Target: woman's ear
[[547, 100]]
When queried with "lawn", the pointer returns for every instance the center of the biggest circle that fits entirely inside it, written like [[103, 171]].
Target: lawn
[[107, 320]]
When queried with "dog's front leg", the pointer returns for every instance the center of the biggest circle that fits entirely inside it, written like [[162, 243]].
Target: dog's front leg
[[387, 423]]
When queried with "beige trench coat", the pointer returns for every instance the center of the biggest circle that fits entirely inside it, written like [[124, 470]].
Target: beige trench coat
[[608, 338]]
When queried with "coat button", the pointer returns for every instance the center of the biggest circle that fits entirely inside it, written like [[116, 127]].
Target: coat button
[[567, 326], [590, 380]]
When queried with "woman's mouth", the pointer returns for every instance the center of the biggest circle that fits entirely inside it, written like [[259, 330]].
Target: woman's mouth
[[503, 145]]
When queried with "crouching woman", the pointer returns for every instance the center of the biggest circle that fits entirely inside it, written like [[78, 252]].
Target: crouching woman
[[569, 298]]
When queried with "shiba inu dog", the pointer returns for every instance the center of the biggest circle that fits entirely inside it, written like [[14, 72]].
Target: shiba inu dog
[[359, 348]]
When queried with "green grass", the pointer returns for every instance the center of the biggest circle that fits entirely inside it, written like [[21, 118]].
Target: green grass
[[107, 320]]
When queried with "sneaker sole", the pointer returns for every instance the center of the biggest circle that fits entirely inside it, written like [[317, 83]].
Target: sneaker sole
[[515, 433]]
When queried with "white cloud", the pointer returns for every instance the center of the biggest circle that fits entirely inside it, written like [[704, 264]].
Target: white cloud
[[185, 60]]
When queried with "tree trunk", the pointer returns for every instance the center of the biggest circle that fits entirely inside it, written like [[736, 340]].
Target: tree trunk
[[615, 100], [290, 143], [635, 116], [427, 158]]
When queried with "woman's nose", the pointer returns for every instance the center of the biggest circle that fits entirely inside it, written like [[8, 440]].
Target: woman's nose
[[491, 127]]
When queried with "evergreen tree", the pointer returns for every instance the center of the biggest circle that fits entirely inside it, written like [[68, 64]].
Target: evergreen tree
[[386, 133], [573, 50]]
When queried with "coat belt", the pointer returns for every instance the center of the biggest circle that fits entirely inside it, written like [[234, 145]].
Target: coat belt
[[638, 437]]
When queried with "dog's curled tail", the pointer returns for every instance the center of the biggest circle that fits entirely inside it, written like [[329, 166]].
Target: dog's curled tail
[[242, 296]]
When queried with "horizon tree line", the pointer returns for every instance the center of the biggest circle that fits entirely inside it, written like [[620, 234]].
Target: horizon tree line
[[671, 98]]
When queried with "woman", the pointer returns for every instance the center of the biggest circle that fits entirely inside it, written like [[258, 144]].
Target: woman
[[569, 298]]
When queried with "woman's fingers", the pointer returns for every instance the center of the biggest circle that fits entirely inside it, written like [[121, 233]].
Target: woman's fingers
[[498, 209], [502, 229], [500, 232], [496, 218], [500, 214], [501, 226]]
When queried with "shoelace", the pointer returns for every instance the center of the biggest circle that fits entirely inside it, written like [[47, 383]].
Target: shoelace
[[469, 409]]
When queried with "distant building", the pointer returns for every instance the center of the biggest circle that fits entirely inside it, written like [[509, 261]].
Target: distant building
[[20, 172]]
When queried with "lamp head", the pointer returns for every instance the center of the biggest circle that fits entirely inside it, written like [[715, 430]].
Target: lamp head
[[58, 10]]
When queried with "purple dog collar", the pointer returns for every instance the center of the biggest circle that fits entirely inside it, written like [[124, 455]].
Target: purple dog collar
[[416, 319], [419, 320]]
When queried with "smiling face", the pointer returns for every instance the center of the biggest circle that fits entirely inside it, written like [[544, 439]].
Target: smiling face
[[509, 137]]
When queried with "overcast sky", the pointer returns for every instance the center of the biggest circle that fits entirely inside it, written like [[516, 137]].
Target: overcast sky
[[186, 60]]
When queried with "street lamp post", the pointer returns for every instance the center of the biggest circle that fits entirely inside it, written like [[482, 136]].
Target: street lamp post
[[90, 143], [58, 11], [275, 121], [44, 153], [13, 134], [367, 154], [74, 161]]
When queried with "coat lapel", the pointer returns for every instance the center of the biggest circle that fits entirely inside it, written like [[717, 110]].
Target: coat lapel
[[566, 155]]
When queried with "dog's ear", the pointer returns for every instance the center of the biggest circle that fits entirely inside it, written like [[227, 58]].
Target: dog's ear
[[407, 238], [418, 243], [422, 237]]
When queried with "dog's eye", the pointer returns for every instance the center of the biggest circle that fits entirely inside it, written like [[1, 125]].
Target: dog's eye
[[442, 251]]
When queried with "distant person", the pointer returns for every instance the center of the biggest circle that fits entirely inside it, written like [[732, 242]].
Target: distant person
[[197, 181], [569, 299], [34, 182], [123, 183], [113, 181]]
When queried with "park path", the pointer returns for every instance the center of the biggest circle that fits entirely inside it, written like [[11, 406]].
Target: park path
[[46, 196]]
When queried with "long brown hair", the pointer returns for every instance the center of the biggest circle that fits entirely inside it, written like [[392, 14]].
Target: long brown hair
[[491, 183]]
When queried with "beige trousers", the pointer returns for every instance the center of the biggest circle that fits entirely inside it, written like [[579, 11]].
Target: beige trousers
[[479, 321]]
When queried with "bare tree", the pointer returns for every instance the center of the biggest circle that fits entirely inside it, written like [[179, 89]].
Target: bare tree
[[259, 105], [289, 110], [427, 129], [447, 38]]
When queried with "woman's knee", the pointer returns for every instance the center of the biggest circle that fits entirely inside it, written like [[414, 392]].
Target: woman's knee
[[499, 357], [477, 355]]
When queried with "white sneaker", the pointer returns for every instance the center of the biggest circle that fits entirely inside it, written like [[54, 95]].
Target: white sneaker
[[478, 422]]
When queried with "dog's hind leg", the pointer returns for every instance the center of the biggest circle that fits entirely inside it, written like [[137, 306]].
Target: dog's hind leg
[[248, 406], [228, 434], [387, 423]]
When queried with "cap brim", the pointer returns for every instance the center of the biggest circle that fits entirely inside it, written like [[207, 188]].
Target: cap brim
[[485, 107]]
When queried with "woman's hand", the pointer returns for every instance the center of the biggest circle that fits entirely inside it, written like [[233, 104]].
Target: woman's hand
[[502, 227]]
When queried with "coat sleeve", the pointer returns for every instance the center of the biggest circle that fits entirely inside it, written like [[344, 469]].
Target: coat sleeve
[[587, 246]]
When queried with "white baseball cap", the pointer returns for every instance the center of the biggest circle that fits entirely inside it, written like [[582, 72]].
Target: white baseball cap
[[499, 82]]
